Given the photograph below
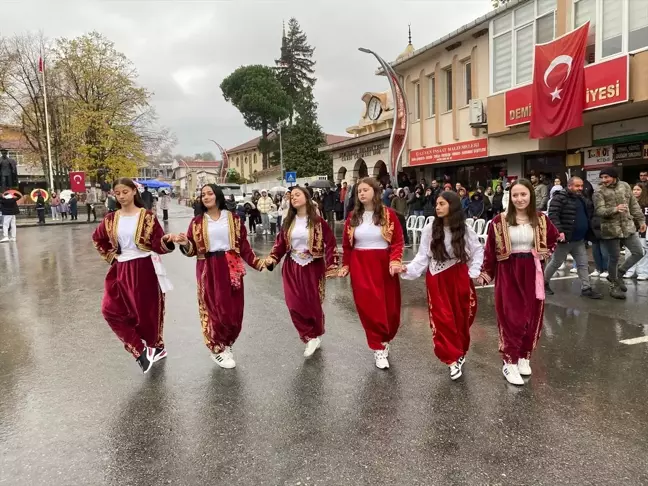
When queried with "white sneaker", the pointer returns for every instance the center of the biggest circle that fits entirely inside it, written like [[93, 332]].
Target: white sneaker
[[628, 275], [604, 274], [455, 371], [4, 240], [642, 278], [524, 367], [224, 359], [311, 346], [13, 239], [595, 273], [573, 270], [381, 359], [461, 361], [512, 374], [386, 349], [562, 267]]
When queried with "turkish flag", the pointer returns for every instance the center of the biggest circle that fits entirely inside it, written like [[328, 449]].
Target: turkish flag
[[558, 90], [77, 181]]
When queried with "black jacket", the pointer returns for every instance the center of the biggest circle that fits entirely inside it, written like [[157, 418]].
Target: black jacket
[[9, 206], [329, 201], [429, 206], [562, 213], [498, 204], [416, 203]]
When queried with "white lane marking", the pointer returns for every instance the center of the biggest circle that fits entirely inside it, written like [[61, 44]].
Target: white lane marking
[[637, 340]]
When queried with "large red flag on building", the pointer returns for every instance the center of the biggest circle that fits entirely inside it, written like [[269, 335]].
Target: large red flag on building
[[77, 181], [558, 90]]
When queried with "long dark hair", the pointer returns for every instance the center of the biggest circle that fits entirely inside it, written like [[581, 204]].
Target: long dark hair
[[358, 212], [292, 211], [125, 181], [457, 225], [643, 197], [220, 198], [531, 208]]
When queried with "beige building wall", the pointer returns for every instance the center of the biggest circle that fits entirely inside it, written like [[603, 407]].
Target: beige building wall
[[246, 162], [448, 124]]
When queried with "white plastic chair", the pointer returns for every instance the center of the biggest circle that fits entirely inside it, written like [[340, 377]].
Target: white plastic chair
[[479, 226], [470, 222], [484, 235], [418, 229], [410, 224], [429, 220]]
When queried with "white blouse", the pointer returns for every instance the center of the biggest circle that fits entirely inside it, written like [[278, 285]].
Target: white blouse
[[218, 232], [522, 238], [424, 259], [368, 236], [299, 242], [126, 230]]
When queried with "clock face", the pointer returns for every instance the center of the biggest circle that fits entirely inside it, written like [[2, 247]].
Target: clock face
[[374, 110]]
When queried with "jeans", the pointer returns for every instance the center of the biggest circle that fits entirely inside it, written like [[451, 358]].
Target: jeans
[[418, 213], [641, 268], [632, 243], [165, 215], [9, 225], [579, 252], [41, 215], [265, 221], [601, 257], [90, 208]]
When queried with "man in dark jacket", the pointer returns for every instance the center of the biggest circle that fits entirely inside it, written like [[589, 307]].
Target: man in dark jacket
[[571, 213], [329, 207]]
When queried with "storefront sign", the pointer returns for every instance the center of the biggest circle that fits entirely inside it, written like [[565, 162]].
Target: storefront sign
[[645, 150], [362, 151], [593, 177], [606, 83], [634, 129], [628, 151], [450, 153], [598, 156]]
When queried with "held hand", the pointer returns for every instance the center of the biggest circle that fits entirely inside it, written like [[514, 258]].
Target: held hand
[[182, 239], [343, 272], [642, 228], [561, 237], [396, 269], [168, 237], [480, 281]]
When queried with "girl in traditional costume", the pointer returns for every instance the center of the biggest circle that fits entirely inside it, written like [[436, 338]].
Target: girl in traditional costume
[[519, 241], [452, 255], [311, 257], [218, 239], [131, 240], [372, 252]]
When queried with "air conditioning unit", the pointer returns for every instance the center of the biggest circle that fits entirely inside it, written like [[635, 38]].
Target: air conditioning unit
[[477, 114]]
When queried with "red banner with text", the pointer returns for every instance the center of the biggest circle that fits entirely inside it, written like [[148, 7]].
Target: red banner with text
[[606, 83], [453, 152]]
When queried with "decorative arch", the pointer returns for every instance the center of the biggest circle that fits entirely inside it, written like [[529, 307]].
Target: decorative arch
[[341, 175], [380, 172], [360, 169]]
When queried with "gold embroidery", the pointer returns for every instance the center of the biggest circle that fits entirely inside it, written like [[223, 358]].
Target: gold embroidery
[[111, 225], [350, 232], [202, 309], [149, 223], [161, 301], [322, 289], [387, 229], [205, 232], [289, 236]]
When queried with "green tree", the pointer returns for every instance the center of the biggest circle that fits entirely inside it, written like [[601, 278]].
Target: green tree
[[499, 3], [209, 156], [257, 93], [234, 177], [295, 68], [302, 140], [113, 123]]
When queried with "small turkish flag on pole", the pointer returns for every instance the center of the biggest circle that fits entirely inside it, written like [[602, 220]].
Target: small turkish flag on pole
[[558, 90], [77, 181]]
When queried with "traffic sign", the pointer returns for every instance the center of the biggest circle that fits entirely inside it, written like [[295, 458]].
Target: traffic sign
[[291, 177]]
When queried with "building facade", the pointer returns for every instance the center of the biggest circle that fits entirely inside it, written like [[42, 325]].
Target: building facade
[[190, 176]]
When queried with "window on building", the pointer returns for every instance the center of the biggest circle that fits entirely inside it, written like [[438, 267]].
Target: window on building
[[468, 81], [255, 159], [448, 86], [637, 24], [417, 101], [623, 26], [431, 95], [513, 38], [237, 161]]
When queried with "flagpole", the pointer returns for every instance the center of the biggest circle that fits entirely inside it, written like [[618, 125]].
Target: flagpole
[[49, 147]]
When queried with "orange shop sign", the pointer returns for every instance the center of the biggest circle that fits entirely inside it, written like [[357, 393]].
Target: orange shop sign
[[606, 83], [473, 149]]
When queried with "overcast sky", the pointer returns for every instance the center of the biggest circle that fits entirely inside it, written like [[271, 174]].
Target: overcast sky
[[183, 49]]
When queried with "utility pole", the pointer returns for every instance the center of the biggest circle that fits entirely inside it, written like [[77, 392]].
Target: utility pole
[[281, 156]]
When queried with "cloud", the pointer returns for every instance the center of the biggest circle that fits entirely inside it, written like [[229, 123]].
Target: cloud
[[183, 49]]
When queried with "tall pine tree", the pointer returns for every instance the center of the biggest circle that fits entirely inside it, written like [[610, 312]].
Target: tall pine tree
[[295, 68]]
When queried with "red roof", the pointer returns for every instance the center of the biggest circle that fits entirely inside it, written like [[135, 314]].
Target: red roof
[[198, 164], [331, 139]]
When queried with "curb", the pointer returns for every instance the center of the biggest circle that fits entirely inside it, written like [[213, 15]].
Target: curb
[[71, 223]]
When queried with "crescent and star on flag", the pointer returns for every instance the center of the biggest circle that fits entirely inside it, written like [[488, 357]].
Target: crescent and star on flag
[[558, 60]]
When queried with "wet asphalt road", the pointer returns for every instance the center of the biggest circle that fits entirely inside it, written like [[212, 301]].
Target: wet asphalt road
[[76, 410]]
